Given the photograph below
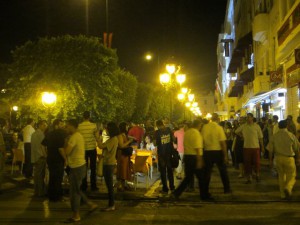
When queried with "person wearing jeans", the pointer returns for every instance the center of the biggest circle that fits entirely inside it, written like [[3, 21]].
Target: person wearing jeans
[[109, 161], [75, 154]]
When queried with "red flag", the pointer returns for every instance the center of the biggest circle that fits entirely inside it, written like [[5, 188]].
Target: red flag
[[110, 39], [105, 39]]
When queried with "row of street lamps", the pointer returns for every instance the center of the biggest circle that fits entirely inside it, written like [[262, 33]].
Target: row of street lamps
[[171, 80]]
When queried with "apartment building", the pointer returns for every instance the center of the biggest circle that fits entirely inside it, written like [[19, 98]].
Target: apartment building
[[257, 54]]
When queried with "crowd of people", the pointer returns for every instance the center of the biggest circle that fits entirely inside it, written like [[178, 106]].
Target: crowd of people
[[71, 148]]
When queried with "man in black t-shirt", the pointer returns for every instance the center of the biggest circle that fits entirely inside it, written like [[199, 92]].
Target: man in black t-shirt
[[55, 141], [164, 143]]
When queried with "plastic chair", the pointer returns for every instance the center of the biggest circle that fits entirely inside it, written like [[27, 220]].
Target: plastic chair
[[18, 157], [141, 166]]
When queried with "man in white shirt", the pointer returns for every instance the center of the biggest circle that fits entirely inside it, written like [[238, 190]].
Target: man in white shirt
[[89, 132], [253, 141], [285, 147], [38, 159], [215, 152], [27, 132]]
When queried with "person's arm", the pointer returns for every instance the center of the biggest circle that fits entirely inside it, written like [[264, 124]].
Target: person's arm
[[63, 155], [224, 150], [238, 131], [123, 144], [200, 162]]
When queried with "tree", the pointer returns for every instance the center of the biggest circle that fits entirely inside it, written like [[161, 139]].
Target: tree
[[143, 100], [128, 85], [159, 107], [80, 70]]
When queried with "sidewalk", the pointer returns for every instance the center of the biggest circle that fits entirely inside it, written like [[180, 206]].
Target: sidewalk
[[266, 190]]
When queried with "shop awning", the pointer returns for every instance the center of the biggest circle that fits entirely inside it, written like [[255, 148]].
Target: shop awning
[[239, 52], [236, 89], [247, 75], [263, 96]]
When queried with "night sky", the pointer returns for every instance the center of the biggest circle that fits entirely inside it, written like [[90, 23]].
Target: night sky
[[184, 29]]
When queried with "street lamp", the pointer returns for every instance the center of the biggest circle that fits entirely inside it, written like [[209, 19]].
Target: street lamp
[[170, 79], [48, 100]]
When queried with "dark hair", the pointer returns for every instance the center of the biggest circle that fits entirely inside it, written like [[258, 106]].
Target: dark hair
[[112, 129], [159, 123], [250, 114], [29, 121], [41, 122], [56, 122], [86, 115], [282, 124], [123, 127], [275, 117], [73, 123], [196, 123]]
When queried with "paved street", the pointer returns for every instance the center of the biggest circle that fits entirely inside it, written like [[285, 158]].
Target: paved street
[[255, 203]]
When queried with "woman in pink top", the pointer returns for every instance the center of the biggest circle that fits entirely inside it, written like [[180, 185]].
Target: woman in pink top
[[179, 134]]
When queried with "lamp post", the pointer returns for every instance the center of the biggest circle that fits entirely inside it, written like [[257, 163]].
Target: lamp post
[[13, 111], [170, 81], [49, 101]]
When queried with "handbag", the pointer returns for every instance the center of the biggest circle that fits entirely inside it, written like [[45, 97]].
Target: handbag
[[127, 151], [175, 157]]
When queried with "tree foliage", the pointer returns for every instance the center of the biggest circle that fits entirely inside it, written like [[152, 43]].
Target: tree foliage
[[80, 70]]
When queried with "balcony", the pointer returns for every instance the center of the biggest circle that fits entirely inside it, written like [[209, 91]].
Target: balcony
[[236, 89], [289, 26], [260, 27], [261, 84]]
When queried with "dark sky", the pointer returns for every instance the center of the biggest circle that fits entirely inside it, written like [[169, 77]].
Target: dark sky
[[184, 29]]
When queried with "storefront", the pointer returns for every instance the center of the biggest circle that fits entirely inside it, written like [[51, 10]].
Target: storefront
[[268, 104]]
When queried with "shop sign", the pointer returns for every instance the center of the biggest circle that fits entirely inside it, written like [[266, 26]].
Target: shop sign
[[276, 76]]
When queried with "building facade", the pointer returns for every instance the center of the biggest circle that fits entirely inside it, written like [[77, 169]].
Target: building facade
[[257, 54]]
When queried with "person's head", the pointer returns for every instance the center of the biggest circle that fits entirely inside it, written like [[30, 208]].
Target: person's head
[[282, 124], [197, 124], [123, 127], [275, 118], [148, 139], [250, 118], [159, 124], [112, 129], [215, 117], [30, 121], [42, 125], [290, 118], [58, 124], [72, 126], [15, 136], [298, 119], [228, 125], [86, 115]]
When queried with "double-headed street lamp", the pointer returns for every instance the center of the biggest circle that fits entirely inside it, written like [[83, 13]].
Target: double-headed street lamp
[[170, 81], [49, 101]]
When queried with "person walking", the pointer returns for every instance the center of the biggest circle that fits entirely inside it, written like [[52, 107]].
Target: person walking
[[38, 159], [179, 139], [89, 132], [285, 147], [193, 159], [27, 131], [253, 141], [164, 143], [215, 152], [75, 153], [56, 159], [109, 162]]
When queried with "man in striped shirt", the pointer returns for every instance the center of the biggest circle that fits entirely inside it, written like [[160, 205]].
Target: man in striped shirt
[[89, 132]]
